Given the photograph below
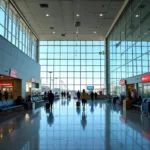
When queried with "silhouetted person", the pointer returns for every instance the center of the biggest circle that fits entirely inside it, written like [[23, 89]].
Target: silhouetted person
[[84, 98], [64, 94], [6, 95], [45, 95], [139, 101], [51, 98], [0, 95], [78, 95], [92, 96], [95, 95], [68, 96]]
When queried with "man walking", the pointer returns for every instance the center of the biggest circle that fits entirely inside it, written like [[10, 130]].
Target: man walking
[[51, 99]]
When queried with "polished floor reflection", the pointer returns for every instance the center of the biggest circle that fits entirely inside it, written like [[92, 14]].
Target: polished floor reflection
[[101, 126]]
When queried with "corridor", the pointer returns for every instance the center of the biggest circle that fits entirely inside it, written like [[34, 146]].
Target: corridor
[[101, 127]]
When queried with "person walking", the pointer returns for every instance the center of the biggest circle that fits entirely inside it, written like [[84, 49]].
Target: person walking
[[84, 98], [0, 95], [95, 95], [6, 96], [62, 94], [51, 99], [78, 95], [92, 95]]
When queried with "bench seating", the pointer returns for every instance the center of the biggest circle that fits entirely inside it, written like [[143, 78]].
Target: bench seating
[[38, 102], [34, 101], [9, 106], [136, 106]]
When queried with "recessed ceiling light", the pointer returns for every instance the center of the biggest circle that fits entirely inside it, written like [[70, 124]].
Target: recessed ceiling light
[[77, 15], [77, 32], [136, 16], [100, 15], [94, 31], [54, 32], [47, 15]]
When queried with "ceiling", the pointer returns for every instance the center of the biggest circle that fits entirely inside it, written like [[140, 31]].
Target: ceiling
[[62, 16]]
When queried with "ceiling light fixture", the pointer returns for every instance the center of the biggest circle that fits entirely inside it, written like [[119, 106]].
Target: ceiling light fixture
[[94, 31], [77, 15], [47, 15], [136, 16], [100, 15], [77, 32], [54, 32]]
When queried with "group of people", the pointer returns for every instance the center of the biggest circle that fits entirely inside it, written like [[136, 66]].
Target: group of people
[[64, 94], [83, 96], [92, 94]]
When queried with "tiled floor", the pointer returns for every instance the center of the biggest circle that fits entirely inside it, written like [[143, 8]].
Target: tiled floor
[[101, 127]]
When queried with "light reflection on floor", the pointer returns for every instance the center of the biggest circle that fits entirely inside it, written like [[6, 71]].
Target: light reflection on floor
[[101, 126]]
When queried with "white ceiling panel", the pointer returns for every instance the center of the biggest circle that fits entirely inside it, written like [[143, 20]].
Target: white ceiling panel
[[62, 16]]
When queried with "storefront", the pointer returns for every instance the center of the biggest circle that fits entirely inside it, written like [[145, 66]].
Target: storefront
[[11, 85], [140, 84], [32, 88], [144, 86]]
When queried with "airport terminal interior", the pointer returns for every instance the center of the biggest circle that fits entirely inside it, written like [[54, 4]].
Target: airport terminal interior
[[66, 47]]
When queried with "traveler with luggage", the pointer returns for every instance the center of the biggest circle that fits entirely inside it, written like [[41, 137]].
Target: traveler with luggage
[[78, 95], [51, 99], [84, 98]]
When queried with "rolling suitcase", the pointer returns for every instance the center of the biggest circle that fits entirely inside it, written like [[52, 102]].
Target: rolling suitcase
[[47, 105], [78, 104]]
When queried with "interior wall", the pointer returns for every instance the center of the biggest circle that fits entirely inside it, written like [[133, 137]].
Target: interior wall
[[12, 57]]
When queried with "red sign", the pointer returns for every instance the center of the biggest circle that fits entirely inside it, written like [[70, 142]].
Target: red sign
[[6, 84], [145, 78], [122, 82], [13, 73]]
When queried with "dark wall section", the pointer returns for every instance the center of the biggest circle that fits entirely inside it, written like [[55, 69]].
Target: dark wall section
[[12, 57]]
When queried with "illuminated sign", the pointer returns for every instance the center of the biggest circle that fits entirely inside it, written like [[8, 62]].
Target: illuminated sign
[[6, 84], [13, 73], [90, 87], [122, 82], [145, 78]]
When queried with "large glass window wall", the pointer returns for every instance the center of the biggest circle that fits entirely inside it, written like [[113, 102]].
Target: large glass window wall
[[74, 65], [129, 44], [15, 30]]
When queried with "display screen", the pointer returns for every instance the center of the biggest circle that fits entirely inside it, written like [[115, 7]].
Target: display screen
[[90, 87]]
